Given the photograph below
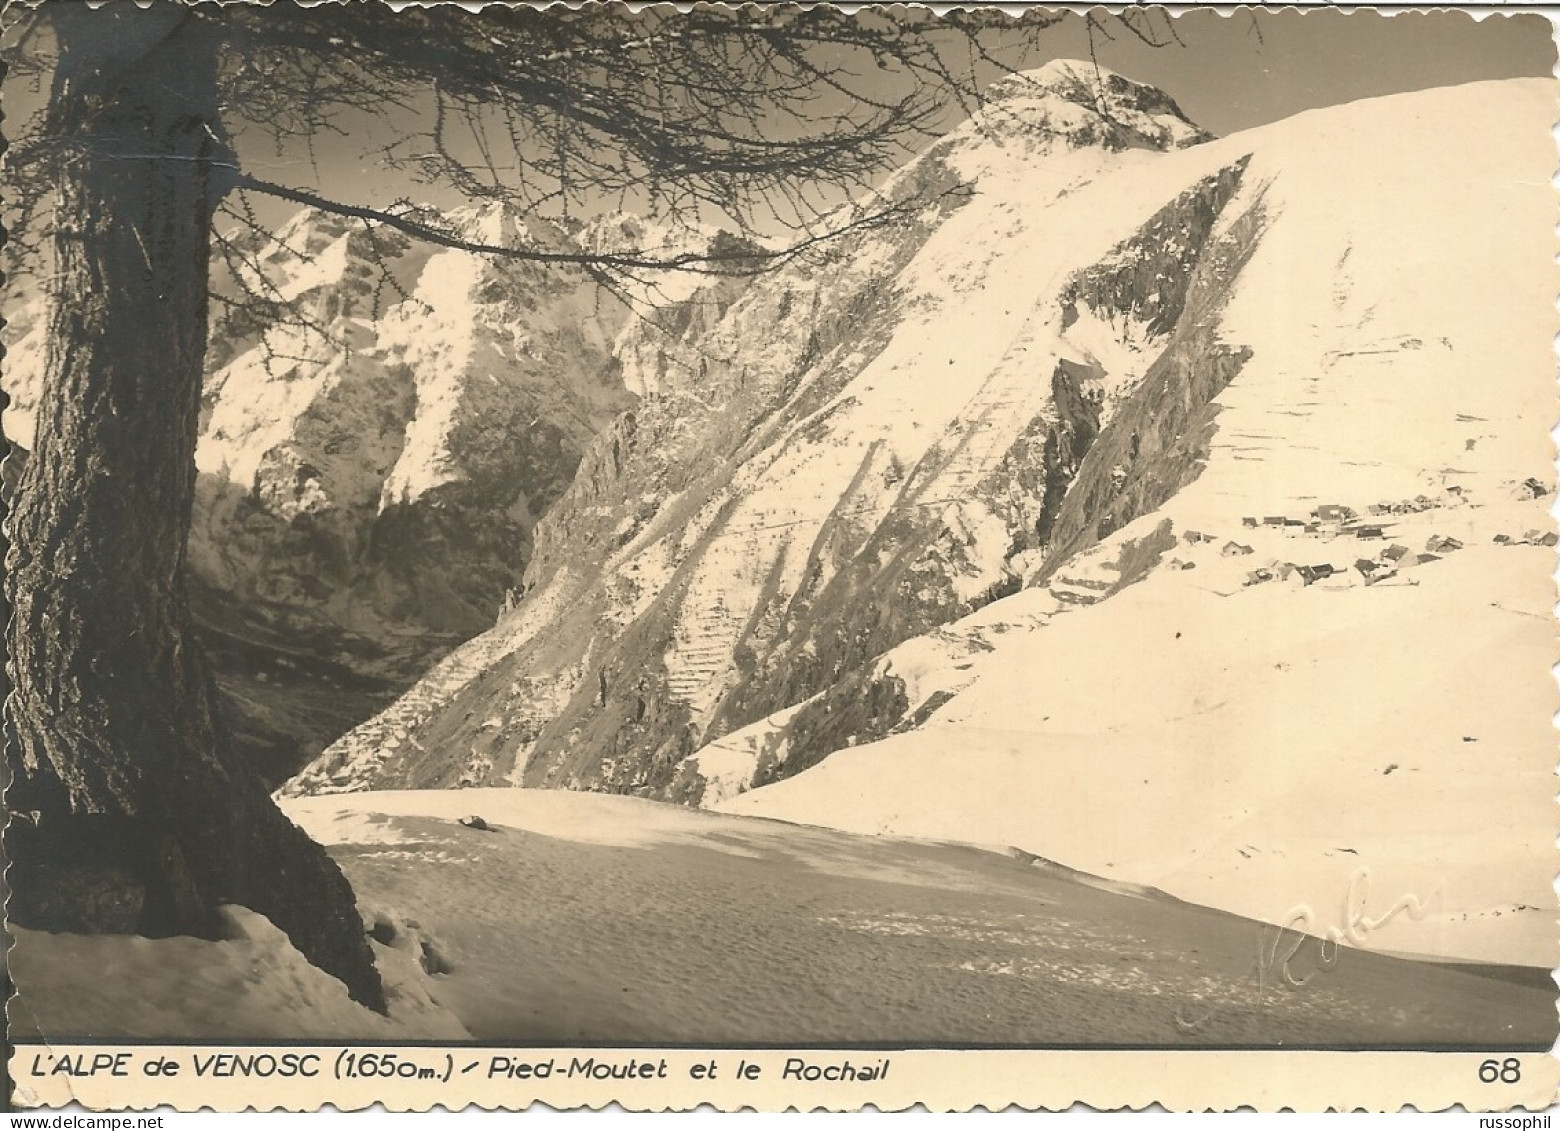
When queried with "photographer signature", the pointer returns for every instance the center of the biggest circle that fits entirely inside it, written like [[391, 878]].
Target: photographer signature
[[1276, 952]]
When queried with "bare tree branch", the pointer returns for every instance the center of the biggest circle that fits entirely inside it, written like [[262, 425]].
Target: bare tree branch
[[747, 260]]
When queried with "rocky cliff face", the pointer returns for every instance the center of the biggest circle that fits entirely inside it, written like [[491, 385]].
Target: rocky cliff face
[[1102, 454], [380, 433], [857, 450]]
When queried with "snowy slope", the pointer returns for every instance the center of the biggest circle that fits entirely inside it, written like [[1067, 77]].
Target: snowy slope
[[1327, 751], [570, 918], [251, 985]]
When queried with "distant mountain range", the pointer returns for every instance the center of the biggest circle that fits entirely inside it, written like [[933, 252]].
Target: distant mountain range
[[384, 422]]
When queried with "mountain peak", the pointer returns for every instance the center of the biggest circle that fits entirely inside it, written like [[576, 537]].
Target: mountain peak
[[1082, 103], [1067, 74]]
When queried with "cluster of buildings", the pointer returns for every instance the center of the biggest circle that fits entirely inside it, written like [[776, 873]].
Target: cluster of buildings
[[1335, 520], [1531, 538]]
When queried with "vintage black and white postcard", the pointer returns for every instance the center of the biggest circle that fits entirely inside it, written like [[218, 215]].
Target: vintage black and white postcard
[[779, 555]]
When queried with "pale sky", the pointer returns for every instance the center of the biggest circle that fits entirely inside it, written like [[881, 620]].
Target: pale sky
[[1225, 79], [1227, 74]]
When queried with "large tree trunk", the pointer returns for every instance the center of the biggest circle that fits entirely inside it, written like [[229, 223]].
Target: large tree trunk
[[131, 813]]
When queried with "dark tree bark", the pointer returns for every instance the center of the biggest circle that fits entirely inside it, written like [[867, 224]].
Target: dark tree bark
[[130, 810]]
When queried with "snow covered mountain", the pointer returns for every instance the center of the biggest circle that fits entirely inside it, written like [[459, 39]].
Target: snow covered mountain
[[384, 421], [1163, 506], [862, 448], [1179, 705]]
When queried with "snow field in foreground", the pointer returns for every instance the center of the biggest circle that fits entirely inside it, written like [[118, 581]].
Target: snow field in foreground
[[586, 918]]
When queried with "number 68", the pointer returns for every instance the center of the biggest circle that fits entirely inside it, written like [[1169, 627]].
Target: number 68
[[1507, 1071]]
